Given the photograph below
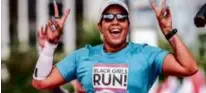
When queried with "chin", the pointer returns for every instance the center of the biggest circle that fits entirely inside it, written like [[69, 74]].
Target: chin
[[117, 43]]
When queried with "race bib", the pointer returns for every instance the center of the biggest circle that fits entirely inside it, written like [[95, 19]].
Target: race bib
[[110, 78]]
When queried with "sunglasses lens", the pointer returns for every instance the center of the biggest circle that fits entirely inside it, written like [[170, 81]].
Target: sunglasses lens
[[108, 17], [121, 17]]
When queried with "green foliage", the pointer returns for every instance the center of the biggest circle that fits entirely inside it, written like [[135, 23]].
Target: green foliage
[[202, 63], [21, 64], [164, 45], [89, 35], [21, 67]]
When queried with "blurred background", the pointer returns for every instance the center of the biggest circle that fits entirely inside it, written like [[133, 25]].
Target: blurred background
[[20, 20]]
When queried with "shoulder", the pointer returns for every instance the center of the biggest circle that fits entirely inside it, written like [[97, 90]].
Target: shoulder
[[143, 48], [150, 53], [88, 50]]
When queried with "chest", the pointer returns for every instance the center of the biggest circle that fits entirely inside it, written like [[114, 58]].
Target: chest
[[116, 74]]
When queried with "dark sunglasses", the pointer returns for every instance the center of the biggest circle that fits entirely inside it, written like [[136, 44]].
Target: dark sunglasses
[[110, 17]]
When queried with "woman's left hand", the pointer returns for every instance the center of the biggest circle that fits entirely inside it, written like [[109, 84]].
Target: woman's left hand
[[163, 15]]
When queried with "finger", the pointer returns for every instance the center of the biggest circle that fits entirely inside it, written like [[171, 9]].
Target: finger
[[49, 24], [66, 13], [163, 8], [40, 31], [154, 6], [49, 30], [56, 11], [44, 30], [54, 26], [168, 12], [51, 27], [163, 12], [163, 4], [53, 20]]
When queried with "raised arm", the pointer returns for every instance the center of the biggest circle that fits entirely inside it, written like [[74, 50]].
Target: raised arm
[[47, 76], [181, 62]]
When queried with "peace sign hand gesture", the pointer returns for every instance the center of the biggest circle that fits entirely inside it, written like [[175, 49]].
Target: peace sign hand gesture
[[55, 25], [163, 15]]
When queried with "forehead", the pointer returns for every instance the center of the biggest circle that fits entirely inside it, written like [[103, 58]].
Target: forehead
[[114, 9]]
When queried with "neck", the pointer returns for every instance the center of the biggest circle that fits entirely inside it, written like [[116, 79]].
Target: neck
[[112, 49]]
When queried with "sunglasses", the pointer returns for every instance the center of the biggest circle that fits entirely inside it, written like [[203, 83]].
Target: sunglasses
[[110, 17]]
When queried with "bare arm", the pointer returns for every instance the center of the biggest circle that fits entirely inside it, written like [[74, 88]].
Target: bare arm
[[54, 78], [52, 81], [181, 62], [47, 76]]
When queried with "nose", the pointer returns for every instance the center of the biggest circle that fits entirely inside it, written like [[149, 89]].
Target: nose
[[115, 21]]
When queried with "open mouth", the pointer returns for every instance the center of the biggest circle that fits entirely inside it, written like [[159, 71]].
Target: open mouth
[[115, 32]]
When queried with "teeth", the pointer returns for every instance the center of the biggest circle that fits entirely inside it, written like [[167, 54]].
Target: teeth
[[115, 30]]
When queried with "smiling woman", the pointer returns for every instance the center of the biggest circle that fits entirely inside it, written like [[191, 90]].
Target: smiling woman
[[115, 30], [116, 65]]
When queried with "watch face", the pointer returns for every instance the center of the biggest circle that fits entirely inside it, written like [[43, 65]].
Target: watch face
[[171, 34]]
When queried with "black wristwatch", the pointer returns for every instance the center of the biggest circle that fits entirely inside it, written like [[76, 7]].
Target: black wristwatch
[[171, 34]]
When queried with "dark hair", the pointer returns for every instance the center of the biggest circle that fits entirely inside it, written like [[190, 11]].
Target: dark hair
[[200, 18]]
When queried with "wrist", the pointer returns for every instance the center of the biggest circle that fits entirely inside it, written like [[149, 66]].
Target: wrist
[[38, 78], [170, 34], [166, 31], [49, 49]]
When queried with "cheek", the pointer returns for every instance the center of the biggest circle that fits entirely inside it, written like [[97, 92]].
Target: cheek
[[105, 25], [125, 27], [104, 28]]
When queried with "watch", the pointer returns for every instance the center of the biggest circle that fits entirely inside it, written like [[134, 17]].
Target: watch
[[171, 34]]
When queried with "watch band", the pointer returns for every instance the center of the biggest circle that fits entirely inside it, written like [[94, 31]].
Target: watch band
[[171, 34]]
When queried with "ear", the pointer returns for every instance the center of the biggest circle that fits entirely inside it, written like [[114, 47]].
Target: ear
[[99, 27]]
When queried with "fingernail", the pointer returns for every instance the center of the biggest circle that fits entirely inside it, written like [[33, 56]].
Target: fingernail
[[54, 1]]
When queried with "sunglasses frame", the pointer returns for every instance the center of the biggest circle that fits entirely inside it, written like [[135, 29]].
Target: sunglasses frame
[[123, 17]]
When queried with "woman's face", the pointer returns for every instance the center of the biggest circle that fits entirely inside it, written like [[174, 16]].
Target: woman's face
[[114, 31]]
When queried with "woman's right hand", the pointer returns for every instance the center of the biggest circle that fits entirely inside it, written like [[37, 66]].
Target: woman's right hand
[[53, 30], [55, 26]]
